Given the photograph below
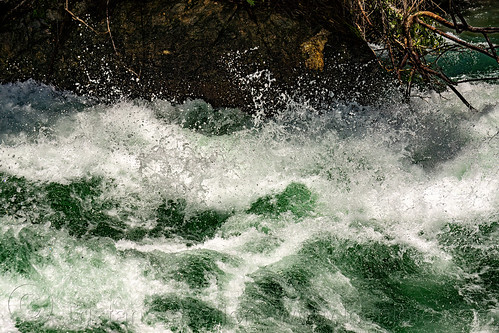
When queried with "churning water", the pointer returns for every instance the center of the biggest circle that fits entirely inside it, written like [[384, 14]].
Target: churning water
[[142, 216], [152, 217]]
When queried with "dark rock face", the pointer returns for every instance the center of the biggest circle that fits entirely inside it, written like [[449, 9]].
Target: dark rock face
[[222, 51]]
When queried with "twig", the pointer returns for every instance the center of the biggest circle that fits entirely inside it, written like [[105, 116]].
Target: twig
[[108, 32], [76, 18], [361, 7], [409, 85], [478, 79], [457, 40], [461, 97], [464, 26], [451, 84], [492, 47], [15, 8], [109, 28]]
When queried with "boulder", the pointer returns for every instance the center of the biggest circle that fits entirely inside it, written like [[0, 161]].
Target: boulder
[[227, 52]]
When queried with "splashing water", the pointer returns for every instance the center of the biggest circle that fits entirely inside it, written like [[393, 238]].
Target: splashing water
[[151, 217]]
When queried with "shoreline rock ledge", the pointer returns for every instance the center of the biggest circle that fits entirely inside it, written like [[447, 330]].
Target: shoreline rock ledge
[[226, 52]]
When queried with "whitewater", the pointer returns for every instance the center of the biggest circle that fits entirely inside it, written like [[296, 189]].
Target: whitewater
[[154, 216]]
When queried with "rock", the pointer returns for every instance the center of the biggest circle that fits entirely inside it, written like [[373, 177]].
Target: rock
[[313, 50], [225, 52]]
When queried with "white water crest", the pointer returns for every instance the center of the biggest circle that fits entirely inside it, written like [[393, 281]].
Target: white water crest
[[391, 175]]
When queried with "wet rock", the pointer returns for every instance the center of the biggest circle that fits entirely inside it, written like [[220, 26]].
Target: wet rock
[[225, 52]]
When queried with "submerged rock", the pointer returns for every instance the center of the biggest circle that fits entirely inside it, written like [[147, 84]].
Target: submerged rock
[[226, 52]]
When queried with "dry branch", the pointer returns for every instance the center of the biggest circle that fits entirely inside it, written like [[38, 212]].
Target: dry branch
[[76, 18], [399, 23], [107, 32]]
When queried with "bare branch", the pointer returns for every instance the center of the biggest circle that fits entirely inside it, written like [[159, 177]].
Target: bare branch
[[478, 79], [457, 40], [107, 32], [109, 28], [361, 6], [492, 47], [76, 18], [463, 27]]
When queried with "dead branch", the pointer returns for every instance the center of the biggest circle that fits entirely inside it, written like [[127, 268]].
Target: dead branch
[[76, 18], [411, 55], [460, 26], [108, 32], [479, 79], [361, 6], [459, 41], [109, 28]]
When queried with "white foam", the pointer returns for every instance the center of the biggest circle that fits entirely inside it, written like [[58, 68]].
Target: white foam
[[365, 186]]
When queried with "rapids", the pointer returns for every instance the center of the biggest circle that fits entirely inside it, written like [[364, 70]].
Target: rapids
[[139, 216]]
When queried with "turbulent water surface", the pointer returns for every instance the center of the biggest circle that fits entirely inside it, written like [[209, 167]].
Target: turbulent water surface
[[150, 216]]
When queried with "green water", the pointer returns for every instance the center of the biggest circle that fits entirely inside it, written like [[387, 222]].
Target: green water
[[140, 216], [127, 218], [472, 64]]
